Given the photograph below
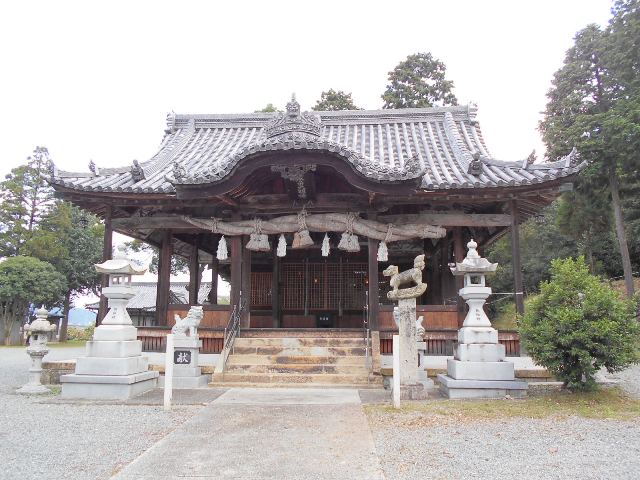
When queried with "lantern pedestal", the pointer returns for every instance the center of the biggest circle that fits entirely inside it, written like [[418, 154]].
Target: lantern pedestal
[[114, 368]]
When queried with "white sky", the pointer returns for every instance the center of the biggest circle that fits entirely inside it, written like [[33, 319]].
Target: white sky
[[94, 80]]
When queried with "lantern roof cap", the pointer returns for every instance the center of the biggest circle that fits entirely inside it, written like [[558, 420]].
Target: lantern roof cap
[[121, 264], [473, 262]]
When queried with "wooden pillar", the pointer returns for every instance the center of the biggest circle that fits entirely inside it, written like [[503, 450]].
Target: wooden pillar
[[164, 277], [236, 270], [275, 289], [107, 249], [444, 269], [515, 257], [246, 286], [213, 293], [194, 274], [458, 253], [374, 286]]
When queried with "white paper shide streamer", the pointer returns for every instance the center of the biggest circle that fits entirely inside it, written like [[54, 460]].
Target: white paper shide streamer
[[282, 246], [222, 253], [383, 251], [325, 246]]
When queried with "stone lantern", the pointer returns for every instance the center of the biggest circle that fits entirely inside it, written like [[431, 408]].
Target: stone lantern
[[114, 367], [38, 330], [478, 369]]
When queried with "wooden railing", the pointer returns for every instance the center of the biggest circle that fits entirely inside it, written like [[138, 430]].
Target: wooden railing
[[443, 342], [154, 339]]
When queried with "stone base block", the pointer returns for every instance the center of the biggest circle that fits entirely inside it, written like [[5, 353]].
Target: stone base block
[[186, 371], [180, 383], [115, 332], [477, 335], [186, 342], [114, 348], [107, 387], [480, 370], [480, 352], [457, 389], [111, 366], [413, 392]]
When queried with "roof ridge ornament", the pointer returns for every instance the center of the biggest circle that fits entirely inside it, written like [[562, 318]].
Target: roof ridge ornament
[[475, 167], [306, 125], [93, 168], [137, 172], [171, 122]]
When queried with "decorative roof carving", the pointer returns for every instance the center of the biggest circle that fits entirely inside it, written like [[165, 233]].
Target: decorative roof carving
[[93, 168], [475, 167], [171, 122], [296, 174], [179, 171], [293, 121], [137, 173]]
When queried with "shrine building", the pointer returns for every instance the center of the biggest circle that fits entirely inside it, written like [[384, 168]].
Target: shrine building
[[302, 211]]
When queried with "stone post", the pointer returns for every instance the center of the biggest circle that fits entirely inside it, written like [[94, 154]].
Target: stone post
[[405, 317], [39, 330]]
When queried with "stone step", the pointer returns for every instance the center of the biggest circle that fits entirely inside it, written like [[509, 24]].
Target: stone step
[[301, 332], [300, 368], [359, 386], [299, 342], [237, 359], [298, 351], [292, 378]]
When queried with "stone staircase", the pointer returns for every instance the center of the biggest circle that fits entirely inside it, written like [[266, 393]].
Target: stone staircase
[[315, 358]]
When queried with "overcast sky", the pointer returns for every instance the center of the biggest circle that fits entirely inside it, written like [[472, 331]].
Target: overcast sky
[[95, 80]]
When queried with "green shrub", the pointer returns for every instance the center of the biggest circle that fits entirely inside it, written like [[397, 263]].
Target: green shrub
[[80, 333], [577, 325]]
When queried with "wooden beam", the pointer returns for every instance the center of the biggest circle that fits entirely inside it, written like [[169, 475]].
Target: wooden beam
[[107, 249], [451, 219], [515, 257], [164, 278], [374, 287]]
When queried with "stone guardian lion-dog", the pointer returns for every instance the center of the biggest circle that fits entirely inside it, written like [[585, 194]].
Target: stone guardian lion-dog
[[411, 276]]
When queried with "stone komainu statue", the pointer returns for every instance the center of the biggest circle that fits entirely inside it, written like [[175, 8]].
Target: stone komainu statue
[[190, 323], [411, 276]]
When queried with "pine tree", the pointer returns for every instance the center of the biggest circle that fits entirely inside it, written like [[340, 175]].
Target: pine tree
[[417, 82]]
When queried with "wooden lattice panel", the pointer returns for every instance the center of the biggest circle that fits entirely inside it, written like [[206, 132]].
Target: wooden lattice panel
[[261, 289], [354, 277], [293, 283]]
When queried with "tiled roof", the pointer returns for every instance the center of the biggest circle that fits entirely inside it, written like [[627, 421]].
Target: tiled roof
[[145, 295], [443, 145]]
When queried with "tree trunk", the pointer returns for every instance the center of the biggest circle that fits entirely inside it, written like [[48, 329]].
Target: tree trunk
[[62, 337], [620, 231]]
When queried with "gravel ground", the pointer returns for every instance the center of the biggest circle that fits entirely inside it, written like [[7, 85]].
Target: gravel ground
[[44, 439], [628, 380], [414, 446]]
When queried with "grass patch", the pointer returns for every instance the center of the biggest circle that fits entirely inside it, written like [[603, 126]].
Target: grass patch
[[68, 343], [608, 403]]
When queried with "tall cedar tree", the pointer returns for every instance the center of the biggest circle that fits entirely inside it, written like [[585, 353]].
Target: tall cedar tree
[[334, 100], [594, 105], [418, 82], [25, 196]]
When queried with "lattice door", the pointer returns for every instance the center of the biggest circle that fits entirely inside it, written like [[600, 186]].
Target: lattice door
[[261, 289]]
